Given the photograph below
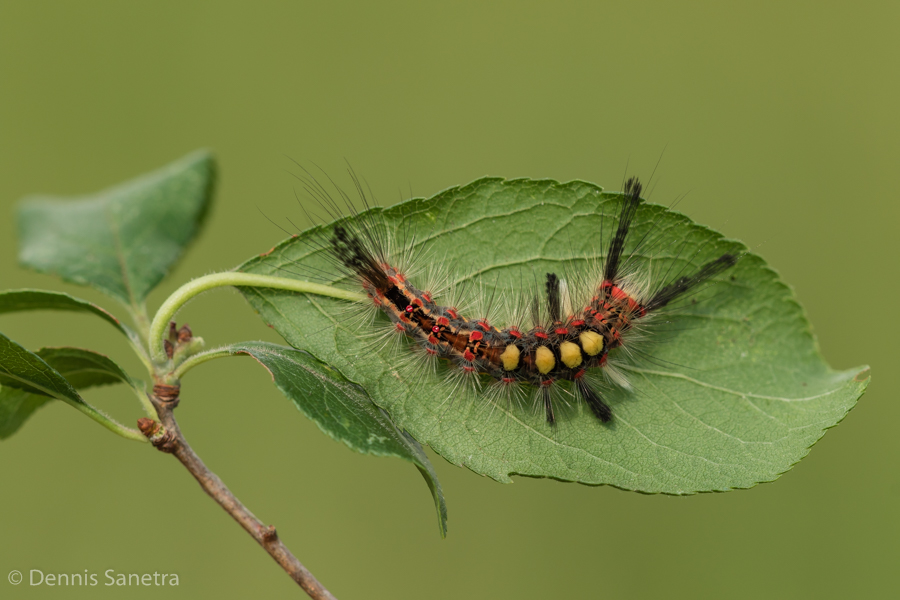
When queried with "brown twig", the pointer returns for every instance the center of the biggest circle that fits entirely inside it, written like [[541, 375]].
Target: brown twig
[[166, 436]]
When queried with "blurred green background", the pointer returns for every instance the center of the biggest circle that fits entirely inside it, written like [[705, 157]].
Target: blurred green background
[[779, 120]]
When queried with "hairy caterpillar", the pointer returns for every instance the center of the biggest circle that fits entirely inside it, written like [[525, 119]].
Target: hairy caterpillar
[[567, 336]]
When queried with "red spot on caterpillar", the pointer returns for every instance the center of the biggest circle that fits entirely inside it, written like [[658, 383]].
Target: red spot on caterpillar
[[409, 308], [453, 314], [617, 293], [443, 321], [483, 324], [468, 355], [507, 379], [546, 382], [431, 351], [579, 374], [577, 323], [561, 331], [603, 360], [613, 290], [540, 334], [432, 340], [515, 333], [401, 327], [468, 369], [427, 296], [435, 329], [476, 336]]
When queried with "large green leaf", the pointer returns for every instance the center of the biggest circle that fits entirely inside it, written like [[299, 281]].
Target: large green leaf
[[734, 394], [122, 240], [28, 380], [20, 300], [341, 409]]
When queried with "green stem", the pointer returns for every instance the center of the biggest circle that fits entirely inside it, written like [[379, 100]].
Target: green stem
[[141, 354], [145, 403], [138, 338], [174, 302], [141, 319], [117, 428], [199, 359]]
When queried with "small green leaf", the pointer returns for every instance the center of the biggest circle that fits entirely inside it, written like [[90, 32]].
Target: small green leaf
[[15, 408], [734, 393], [27, 372], [85, 368], [20, 300], [341, 409], [122, 240], [81, 368]]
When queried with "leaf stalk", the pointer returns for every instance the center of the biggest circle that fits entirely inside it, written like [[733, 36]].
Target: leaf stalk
[[228, 279]]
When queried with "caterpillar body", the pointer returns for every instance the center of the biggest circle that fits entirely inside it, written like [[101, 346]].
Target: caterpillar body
[[562, 342]]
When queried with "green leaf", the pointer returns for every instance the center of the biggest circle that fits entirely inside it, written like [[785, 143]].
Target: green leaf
[[122, 240], [341, 409], [15, 408], [734, 394], [85, 368], [19, 300], [26, 372], [81, 368]]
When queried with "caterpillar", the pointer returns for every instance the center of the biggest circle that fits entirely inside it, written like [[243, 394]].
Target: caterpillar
[[565, 341]]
